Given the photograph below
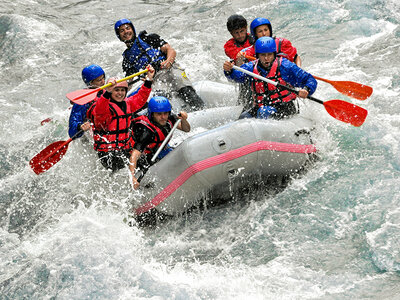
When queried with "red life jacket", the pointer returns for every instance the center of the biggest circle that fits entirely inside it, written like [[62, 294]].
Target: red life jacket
[[158, 133], [265, 93], [89, 113], [117, 135]]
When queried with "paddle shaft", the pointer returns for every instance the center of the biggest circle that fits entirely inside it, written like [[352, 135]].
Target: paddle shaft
[[340, 110], [143, 172], [106, 86], [124, 79], [275, 83], [349, 88], [166, 140]]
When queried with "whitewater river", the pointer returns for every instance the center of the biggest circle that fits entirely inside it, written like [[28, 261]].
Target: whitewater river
[[331, 234]]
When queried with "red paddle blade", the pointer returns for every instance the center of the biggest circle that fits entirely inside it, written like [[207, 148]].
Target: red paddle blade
[[346, 112], [83, 96], [45, 121], [350, 88], [49, 156], [353, 89]]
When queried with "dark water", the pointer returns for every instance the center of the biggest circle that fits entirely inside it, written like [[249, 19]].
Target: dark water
[[332, 234]]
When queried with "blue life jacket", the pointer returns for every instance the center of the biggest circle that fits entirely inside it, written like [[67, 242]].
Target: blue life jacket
[[141, 54]]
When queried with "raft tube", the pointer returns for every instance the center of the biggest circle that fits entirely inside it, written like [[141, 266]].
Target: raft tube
[[223, 161]]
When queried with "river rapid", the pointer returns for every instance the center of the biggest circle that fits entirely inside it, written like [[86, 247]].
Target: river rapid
[[333, 233]]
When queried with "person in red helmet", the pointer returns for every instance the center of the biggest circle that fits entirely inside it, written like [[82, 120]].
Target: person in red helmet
[[112, 115], [237, 27]]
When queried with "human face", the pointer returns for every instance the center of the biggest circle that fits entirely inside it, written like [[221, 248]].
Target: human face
[[125, 32], [161, 117], [266, 59], [262, 30], [97, 82], [239, 35], [118, 94]]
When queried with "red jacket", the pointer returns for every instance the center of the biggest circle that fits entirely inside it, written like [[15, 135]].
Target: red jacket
[[284, 48], [232, 47], [111, 124]]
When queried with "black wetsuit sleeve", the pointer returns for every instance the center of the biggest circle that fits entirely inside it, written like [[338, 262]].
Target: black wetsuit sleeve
[[152, 39], [173, 118], [142, 136]]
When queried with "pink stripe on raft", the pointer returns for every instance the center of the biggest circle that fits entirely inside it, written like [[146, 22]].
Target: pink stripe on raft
[[220, 159]]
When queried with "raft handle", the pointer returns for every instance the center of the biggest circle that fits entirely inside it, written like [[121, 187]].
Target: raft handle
[[221, 143]]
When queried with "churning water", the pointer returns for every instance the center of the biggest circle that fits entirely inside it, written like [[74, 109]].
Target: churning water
[[331, 234]]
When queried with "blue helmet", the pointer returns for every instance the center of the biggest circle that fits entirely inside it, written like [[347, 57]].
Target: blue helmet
[[121, 22], [265, 111], [158, 104], [258, 22], [91, 72], [265, 44]]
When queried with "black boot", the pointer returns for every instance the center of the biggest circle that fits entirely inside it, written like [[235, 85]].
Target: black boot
[[189, 95]]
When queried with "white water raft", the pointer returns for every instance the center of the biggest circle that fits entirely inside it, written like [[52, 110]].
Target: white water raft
[[223, 161]]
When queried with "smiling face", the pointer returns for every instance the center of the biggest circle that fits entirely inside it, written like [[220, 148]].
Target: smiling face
[[118, 94], [239, 34], [161, 117], [125, 32], [266, 59], [262, 30]]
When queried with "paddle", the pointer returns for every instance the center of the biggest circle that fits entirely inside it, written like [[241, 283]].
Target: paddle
[[84, 96], [46, 121], [349, 88], [50, 155], [339, 109], [167, 138]]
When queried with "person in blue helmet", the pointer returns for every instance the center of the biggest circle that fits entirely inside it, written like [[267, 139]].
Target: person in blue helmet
[[144, 49], [94, 77], [149, 132], [268, 97], [261, 27]]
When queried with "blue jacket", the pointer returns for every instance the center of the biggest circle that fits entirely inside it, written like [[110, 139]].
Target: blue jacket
[[140, 54], [290, 73], [77, 118]]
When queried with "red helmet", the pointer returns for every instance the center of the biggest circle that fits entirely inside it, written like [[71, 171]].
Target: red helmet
[[119, 84]]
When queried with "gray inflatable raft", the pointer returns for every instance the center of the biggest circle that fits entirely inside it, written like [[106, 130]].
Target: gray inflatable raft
[[223, 161]]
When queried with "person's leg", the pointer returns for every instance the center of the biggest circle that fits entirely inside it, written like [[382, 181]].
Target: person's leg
[[114, 160], [183, 86], [164, 152], [284, 109], [189, 95]]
